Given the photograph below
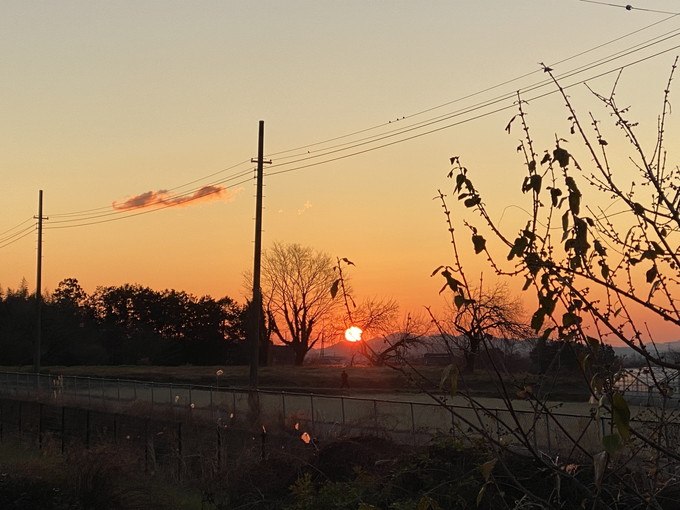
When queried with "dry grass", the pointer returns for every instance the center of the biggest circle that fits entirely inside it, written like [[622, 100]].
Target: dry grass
[[323, 379], [103, 477]]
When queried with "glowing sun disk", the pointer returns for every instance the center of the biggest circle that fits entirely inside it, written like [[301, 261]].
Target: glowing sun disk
[[353, 334]]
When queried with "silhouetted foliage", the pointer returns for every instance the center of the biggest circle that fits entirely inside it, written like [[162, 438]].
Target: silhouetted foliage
[[599, 259], [17, 326], [129, 324]]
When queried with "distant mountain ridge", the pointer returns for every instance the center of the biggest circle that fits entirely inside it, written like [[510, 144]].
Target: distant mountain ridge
[[667, 347], [346, 350]]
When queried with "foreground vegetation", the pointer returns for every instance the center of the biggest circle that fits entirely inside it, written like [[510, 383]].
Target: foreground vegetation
[[100, 478], [364, 473]]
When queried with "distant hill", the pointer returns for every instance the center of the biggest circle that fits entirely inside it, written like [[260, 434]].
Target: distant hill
[[343, 350], [668, 347]]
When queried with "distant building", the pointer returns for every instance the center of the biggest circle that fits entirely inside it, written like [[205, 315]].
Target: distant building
[[648, 386]]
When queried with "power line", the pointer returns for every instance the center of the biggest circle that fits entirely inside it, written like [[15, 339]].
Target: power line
[[167, 201], [163, 204], [16, 237], [447, 116], [94, 216], [479, 92], [499, 99], [441, 128], [126, 214], [628, 7], [88, 212], [15, 227]]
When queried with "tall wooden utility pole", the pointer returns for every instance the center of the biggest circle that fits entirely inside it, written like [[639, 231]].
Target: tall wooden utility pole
[[256, 303], [38, 292]]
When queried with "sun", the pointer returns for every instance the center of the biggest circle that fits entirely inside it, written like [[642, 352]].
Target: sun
[[353, 334]]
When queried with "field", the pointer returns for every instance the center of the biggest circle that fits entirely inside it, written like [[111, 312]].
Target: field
[[326, 379]]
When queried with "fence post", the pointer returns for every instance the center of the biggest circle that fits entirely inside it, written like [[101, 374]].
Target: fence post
[[311, 401], [533, 428], [547, 430], [146, 445], [219, 446], [40, 423], [118, 387], [283, 407], [453, 422], [342, 404], [498, 425], [375, 414], [63, 429], [179, 451], [87, 429], [151, 394], [21, 424], [413, 424]]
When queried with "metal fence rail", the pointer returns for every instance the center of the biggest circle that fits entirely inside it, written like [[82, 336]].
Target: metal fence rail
[[325, 416]]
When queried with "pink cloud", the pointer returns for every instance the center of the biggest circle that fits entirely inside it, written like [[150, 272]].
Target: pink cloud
[[162, 197]]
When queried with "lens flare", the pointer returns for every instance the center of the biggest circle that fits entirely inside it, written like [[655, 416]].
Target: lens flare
[[353, 334]]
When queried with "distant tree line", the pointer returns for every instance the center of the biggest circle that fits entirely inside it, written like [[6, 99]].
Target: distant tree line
[[128, 324]]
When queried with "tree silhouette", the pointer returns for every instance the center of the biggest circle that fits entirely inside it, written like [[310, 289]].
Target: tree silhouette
[[295, 283]]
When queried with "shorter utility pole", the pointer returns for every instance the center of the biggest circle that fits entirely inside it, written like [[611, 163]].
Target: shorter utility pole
[[256, 303], [38, 286]]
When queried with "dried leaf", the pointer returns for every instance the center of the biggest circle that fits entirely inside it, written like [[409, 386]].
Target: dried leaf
[[599, 466], [487, 468]]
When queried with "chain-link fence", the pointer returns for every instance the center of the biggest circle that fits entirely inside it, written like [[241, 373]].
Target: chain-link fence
[[313, 417]]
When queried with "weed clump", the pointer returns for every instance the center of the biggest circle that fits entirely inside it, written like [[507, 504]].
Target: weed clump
[[24, 493], [106, 478]]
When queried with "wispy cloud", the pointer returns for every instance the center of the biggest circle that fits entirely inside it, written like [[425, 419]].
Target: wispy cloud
[[307, 205], [163, 197]]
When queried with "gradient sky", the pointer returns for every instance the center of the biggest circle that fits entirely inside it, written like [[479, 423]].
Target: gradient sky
[[102, 102]]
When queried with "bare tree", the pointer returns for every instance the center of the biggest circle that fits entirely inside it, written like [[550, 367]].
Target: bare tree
[[490, 312], [401, 338], [295, 283], [378, 317]]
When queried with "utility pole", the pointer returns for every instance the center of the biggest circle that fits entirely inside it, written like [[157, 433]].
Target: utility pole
[[38, 286], [256, 303]]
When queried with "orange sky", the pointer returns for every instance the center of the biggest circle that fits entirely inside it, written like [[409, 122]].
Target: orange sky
[[110, 104]]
